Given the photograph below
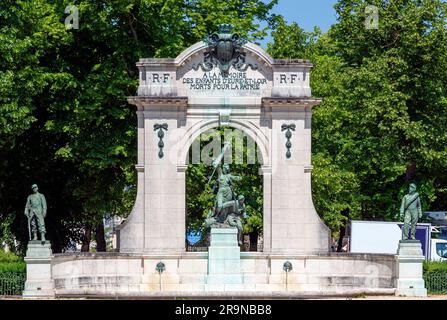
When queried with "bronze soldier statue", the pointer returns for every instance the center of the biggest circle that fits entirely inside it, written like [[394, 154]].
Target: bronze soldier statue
[[234, 218], [411, 211], [36, 211]]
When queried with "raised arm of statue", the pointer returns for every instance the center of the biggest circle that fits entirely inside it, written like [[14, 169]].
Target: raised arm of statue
[[236, 178], [216, 162]]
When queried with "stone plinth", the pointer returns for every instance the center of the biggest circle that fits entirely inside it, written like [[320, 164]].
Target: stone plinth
[[39, 282], [224, 260], [410, 282]]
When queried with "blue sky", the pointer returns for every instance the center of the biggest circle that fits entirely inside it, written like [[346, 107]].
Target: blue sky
[[307, 13]]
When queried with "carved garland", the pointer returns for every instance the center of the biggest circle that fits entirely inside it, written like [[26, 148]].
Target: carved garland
[[288, 127], [161, 134]]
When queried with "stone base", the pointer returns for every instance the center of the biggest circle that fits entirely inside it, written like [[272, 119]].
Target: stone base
[[224, 259], [39, 283], [411, 288], [411, 292], [410, 282], [115, 274]]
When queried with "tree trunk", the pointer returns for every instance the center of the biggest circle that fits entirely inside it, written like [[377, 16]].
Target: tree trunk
[[345, 213], [86, 238], [100, 238], [56, 245], [340, 238], [253, 240], [411, 171]]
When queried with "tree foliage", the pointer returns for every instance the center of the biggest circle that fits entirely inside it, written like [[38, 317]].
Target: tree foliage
[[382, 121], [65, 123], [64, 120]]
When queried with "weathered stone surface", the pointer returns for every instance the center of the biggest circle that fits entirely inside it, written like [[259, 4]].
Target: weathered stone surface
[[188, 273]]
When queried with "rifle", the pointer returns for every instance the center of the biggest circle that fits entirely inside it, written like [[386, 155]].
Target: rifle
[[29, 227], [29, 222]]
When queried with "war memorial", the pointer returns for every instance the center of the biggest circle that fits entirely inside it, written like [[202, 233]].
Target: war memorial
[[224, 81]]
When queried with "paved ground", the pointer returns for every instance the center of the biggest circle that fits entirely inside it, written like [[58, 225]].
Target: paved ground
[[430, 297]]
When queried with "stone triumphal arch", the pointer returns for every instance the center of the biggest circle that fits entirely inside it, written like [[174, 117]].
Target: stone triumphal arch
[[224, 81]]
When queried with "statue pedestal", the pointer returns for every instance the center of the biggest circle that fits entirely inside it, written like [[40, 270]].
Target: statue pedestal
[[224, 260], [38, 271], [410, 282]]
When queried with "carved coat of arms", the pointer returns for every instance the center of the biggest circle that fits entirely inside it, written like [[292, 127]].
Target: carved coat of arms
[[224, 50]]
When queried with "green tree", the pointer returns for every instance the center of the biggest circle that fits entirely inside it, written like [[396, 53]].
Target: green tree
[[65, 121], [381, 123]]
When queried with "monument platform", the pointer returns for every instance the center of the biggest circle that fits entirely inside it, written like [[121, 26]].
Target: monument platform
[[39, 283], [410, 282], [224, 260], [127, 275]]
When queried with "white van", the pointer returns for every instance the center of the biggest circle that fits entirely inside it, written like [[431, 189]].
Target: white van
[[383, 237], [438, 250]]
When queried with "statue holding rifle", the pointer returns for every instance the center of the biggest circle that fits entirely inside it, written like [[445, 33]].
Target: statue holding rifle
[[228, 208], [35, 211]]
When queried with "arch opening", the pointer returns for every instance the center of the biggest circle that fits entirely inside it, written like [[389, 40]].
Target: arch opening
[[245, 159]]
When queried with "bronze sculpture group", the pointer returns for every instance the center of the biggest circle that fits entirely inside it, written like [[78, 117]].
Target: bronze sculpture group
[[229, 208]]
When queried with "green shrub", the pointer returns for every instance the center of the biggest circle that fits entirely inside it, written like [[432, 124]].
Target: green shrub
[[12, 267], [435, 276], [12, 283], [12, 274], [9, 257], [10, 262], [435, 267]]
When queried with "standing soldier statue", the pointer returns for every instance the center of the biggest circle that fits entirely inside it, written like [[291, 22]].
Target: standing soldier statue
[[411, 211], [35, 211]]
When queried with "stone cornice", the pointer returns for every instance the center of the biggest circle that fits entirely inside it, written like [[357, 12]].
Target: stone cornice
[[200, 47], [292, 62], [142, 102], [291, 102]]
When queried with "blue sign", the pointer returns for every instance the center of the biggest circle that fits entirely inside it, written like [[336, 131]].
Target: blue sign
[[193, 237], [423, 235]]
